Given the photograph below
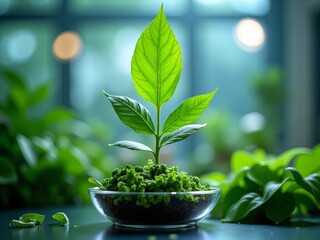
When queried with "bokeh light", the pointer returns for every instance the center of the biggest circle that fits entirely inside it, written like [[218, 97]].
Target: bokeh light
[[124, 47], [249, 34], [252, 122], [67, 46], [18, 46]]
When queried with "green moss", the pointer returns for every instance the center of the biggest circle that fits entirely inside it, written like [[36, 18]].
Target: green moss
[[152, 178]]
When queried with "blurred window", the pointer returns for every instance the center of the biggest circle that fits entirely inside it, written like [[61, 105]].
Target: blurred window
[[232, 7], [223, 43], [25, 46], [128, 7], [30, 7]]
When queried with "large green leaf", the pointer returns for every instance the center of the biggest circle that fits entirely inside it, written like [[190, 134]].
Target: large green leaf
[[241, 159], [156, 63], [241, 209], [261, 175], [280, 207], [187, 112], [231, 197], [285, 158], [132, 145], [8, 174], [14, 79], [251, 201], [56, 115], [18, 98], [132, 113], [307, 164], [311, 183], [39, 95], [181, 134]]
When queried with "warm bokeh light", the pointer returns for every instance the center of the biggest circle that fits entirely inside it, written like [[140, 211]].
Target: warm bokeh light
[[67, 46], [249, 34]]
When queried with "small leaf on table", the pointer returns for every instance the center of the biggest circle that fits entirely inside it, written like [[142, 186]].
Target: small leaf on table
[[22, 224], [33, 217], [61, 218]]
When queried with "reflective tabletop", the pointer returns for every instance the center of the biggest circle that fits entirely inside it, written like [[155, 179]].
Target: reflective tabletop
[[86, 223]]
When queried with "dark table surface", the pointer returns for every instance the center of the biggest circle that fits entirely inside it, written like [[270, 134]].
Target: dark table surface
[[86, 223]]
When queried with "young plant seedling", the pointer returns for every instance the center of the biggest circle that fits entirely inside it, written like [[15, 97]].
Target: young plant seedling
[[155, 68]]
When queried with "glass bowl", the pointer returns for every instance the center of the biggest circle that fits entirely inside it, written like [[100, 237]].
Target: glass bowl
[[154, 209]]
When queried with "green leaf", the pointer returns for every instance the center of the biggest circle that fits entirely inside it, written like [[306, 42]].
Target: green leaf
[[8, 174], [156, 63], [61, 218], [311, 183], [27, 150], [22, 224], [96, 183], [39, 95], [187, 112], [28, 220], [261, 174], [57, 115], [132, 113], [237, 178], [33, 217], [285, 158], [241, 159], [181, 134], [14, 79], [18, 97], [132, 145], [242, 208], [251, 201], [231, 197], [307, 164], [280, 207]]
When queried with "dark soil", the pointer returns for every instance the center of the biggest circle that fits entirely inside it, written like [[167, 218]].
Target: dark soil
[[177, 211]]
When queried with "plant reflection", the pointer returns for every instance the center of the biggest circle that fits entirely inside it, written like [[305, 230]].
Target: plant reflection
[[195, 232]]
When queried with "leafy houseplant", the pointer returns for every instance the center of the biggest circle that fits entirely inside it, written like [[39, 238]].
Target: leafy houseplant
[[146, 192], [269, 189], [48, 147]]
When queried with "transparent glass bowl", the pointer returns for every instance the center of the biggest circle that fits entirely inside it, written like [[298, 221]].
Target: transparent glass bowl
[[154, 209]]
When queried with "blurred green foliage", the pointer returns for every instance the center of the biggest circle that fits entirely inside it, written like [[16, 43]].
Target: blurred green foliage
[[259, 129], [46, 154], [261, 188]]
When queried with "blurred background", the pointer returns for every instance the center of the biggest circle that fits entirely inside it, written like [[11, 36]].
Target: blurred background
[[56, 57]]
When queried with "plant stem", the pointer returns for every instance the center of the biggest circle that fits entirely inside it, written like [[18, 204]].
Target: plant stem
[[158, 136]]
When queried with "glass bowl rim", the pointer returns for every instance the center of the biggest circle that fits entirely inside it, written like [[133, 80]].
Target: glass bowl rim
[[213, 190]]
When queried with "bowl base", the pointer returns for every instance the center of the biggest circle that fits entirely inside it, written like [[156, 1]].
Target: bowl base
[[154, 227]]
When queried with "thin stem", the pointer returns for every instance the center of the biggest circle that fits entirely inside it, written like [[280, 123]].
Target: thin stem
[[158, 136]]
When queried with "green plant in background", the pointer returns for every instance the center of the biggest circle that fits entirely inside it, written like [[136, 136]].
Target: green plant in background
[[155, 67], [269, 189], [269, 90], [229, 132], [48, 148]]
